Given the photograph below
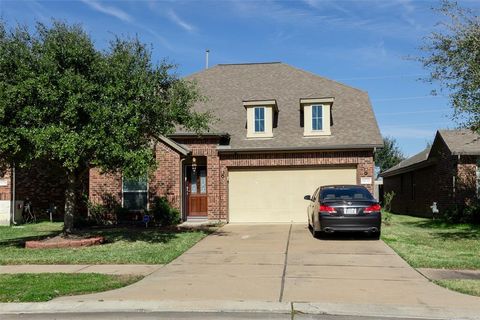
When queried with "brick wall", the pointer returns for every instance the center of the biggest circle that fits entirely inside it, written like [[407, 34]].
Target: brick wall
[[104, 186], [466, 180], [165, 181], [418, 193], [5, 191]]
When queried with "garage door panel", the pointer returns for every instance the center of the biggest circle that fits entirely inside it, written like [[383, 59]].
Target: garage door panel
[[276, 195]]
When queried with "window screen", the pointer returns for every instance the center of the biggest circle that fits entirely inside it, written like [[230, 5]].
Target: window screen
[[135, 193]]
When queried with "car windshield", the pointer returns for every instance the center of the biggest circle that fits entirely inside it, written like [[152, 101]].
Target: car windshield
[[347, 193]]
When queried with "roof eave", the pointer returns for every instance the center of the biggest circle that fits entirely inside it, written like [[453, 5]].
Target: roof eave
[[466, 153], [418, 165], [180, 149], [312, 148], [198, 135]]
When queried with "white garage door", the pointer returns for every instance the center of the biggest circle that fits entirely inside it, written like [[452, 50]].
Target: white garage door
[[276, 195]]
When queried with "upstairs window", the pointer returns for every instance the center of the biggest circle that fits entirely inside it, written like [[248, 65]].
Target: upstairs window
[[259, 119], [317, 118], [134, 192]]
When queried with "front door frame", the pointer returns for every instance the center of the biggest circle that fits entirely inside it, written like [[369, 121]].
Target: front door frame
[[201, 196]]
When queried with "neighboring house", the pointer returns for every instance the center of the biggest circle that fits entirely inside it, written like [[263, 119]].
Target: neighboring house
[[279, 133], [41, 184], [446, 173], [5, 197]]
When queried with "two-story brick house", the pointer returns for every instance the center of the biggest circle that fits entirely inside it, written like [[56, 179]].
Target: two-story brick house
[[278, 134]]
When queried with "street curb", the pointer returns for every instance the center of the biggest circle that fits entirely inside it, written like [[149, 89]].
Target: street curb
[[365, 310], [146, 306], [391, 311]]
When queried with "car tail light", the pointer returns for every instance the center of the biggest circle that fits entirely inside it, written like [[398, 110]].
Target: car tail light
[[374, 208], [327, 209]]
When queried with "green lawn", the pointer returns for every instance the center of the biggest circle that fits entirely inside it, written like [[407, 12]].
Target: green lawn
[[425, 243], [46, 286], [124, 246], [471, 287]]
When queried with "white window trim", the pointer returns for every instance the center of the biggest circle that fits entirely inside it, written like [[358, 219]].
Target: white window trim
[[308, 130], [136, 191], [267, 121]]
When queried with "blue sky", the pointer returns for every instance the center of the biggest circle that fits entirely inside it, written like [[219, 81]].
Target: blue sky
[[360, 43]]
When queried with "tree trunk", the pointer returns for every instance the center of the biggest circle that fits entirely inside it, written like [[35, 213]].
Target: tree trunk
[[70, 202]]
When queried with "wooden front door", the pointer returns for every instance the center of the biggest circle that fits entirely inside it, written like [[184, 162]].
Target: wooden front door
[[197, 191]]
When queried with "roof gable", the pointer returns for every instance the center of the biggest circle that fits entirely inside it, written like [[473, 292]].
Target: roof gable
[[226, 87], [462, 141]]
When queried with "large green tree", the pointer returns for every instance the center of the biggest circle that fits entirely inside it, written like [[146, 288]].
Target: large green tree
[[452, 55], [389, 155], [64, 101]]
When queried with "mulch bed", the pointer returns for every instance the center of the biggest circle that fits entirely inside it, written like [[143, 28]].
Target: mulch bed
[[61, 242]]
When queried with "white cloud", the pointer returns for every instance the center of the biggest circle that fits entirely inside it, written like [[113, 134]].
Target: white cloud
[[109, 10], [326, 5], [181, 23]]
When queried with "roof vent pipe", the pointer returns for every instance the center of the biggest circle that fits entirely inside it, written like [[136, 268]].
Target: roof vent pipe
[[206, 58]]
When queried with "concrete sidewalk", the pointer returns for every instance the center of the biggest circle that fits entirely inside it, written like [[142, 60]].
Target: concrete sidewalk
[[113, 269]]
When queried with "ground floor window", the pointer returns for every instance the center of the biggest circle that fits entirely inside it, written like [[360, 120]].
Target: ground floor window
[[135, 193]]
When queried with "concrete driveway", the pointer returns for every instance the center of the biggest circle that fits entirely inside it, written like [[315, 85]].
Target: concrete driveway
[[284, 263]]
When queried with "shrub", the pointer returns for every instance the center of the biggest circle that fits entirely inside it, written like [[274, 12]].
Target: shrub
[[109, 212], [163, 213], [387, 206], [387, 217], [387, 200], [471, 213], [462, 213]]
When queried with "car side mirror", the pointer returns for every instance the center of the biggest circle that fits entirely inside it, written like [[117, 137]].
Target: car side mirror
[[307, 197]]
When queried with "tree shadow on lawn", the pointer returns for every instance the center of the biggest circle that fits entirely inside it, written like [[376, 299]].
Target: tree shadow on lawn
[[447, 231], [20, 241], [112, 235]]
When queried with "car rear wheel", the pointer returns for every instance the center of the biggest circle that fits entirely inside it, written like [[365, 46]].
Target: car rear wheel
[[317, 234], [375, 235]]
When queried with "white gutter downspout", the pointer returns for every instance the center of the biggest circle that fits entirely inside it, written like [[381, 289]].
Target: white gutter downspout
[[12, 188], [181, 189]]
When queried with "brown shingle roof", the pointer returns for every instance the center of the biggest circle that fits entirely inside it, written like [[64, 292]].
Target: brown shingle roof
[[462, 141], [227, 86], [408, 163]]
